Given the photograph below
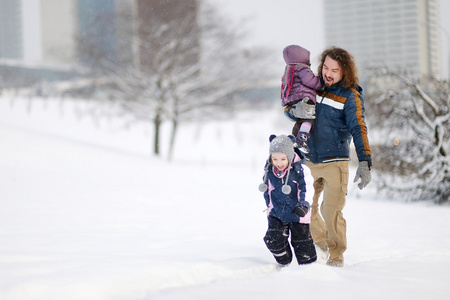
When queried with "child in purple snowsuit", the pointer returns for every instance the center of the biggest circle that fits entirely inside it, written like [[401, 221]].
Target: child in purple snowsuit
[[299, 84]]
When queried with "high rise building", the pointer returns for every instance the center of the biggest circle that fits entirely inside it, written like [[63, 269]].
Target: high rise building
[[96, 30], [59, 34], [42, 32], [58, 30], [10, 29], [160, 23], [401, 34]]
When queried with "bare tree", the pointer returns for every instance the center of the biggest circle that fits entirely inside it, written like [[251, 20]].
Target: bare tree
[[411, 118], [187, 68], [204, 89]]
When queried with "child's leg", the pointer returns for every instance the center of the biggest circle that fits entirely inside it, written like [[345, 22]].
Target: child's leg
[[305, 127], [303, 244], [296, 127], [302, 135], [276, 240]]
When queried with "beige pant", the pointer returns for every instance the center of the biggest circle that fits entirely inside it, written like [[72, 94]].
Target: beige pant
[[329, 227]]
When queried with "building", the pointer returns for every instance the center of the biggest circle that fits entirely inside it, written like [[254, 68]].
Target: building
[[160, 23], [10, 29], [63, 34], [58, 29], [96, 38], [401, 34]]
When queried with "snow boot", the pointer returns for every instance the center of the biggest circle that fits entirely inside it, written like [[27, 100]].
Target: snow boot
[[302, 141]]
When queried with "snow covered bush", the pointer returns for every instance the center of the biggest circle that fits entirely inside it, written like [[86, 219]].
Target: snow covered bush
[[411, 148]]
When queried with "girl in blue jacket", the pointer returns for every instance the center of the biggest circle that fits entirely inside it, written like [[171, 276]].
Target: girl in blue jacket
[[288, 190]]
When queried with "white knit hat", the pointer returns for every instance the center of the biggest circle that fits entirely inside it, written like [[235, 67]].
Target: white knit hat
[[280, 144]]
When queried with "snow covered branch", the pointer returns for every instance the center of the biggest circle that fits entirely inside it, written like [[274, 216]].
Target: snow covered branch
[[415, 115]]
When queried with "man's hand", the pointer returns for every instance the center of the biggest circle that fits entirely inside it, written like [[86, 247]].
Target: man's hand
[[363, 172]]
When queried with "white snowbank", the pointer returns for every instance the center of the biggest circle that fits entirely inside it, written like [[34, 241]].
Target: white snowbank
[[86, 212]]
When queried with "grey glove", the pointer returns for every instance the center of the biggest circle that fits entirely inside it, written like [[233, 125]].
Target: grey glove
[[303, 110], [363, 172]]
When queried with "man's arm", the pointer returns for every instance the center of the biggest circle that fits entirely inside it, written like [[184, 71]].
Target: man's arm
[[355, 119]]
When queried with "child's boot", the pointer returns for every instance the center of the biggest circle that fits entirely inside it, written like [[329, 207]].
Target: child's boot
[[302, 141]]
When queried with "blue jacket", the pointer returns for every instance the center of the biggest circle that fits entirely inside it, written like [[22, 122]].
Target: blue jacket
[[280, 205], [339, 118]]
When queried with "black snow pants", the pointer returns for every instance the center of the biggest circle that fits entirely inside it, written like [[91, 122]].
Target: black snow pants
[[277, 241]]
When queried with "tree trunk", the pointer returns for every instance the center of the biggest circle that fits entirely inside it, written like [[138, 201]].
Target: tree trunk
[[157, 126], [172, 138]]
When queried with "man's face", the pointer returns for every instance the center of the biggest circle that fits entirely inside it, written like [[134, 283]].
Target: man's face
[[331, 72]]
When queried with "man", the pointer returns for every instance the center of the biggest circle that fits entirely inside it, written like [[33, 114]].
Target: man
[[339, 118]]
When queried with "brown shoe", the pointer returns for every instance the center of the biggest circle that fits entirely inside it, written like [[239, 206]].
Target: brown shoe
[[335, 263]]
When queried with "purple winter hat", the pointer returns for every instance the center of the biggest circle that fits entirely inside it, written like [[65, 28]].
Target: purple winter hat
[[293, 54]]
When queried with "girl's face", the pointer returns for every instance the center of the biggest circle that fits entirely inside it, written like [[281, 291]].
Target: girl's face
[[280, 161]]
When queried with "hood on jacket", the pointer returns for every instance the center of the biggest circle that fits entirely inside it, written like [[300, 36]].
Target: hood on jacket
[[294, 54]]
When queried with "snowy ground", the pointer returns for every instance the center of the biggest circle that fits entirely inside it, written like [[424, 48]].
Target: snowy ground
[[87, 213]]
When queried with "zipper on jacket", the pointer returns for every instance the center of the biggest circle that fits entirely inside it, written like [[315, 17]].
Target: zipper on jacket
[[315, 136]]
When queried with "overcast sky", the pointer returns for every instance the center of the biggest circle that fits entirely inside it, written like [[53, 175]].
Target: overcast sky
[[268, 22], [280, 23], [283, 22]]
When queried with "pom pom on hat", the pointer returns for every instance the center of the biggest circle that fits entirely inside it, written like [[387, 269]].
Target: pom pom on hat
[[262, 187], [286, 189]]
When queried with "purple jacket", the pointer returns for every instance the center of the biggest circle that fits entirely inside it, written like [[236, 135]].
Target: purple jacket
[[298, 80]]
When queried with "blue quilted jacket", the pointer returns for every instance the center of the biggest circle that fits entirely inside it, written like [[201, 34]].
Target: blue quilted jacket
[[280, 205], [339, 118]]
